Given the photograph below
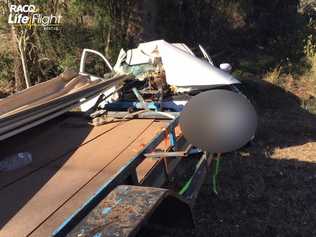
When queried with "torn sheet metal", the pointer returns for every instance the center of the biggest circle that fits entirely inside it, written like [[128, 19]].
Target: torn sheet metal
[[182, 67]]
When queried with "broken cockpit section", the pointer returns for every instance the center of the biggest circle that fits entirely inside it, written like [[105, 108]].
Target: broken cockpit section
[[166, 75], [176, 64]]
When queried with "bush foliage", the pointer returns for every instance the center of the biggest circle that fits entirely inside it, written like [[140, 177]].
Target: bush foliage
[[256, 36]]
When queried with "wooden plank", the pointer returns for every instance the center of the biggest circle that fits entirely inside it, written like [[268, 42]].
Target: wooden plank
[[30, 201], [87, 191]]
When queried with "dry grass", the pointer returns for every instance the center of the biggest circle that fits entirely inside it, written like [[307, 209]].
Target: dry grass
[[304, 85], [274, 76], [305, 152]]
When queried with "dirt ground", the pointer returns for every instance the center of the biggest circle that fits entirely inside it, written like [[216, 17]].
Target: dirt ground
[[268, 188]]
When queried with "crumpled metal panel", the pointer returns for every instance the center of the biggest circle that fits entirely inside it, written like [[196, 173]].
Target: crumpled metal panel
[[183, 69]]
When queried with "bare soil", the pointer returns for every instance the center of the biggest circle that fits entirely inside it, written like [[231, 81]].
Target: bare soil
[[268, 188]]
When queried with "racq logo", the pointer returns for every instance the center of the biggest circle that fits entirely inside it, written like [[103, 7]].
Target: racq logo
[[29, 15]]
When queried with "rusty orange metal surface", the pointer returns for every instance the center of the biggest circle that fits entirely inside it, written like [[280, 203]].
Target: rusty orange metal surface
[[69, 165], [120, 212]]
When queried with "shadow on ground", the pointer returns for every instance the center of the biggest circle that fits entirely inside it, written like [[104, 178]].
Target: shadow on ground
[[268, 188], [52, 144]]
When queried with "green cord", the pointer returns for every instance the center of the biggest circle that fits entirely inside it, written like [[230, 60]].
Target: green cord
[[215, 176], [185, 187]]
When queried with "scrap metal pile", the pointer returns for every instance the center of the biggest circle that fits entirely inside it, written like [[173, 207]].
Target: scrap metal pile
[[166, 75], [155, 81], [155, 77], [48, 100]]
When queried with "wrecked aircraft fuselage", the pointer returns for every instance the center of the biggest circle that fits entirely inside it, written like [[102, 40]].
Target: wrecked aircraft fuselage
[[165, 74], [178, 64]]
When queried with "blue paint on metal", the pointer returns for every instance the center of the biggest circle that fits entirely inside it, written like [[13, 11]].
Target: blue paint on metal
[[172, 137], [59, 230], [106, 210], [152, 106], [98, 235], [61, 227], [124, 105], [111, 184], [118, 201]]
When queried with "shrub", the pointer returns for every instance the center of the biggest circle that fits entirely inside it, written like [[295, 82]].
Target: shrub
[[6, 70]]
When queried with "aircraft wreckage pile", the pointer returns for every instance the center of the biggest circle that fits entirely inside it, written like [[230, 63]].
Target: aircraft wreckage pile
[[155, 76], [156, 81]]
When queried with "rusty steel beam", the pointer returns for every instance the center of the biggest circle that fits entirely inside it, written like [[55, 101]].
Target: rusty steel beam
[[198, 177], [144, 115], [124, 211]]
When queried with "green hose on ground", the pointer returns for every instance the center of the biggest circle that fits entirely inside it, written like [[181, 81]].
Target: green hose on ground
[[185, 187], [188, 183], [215, 174]]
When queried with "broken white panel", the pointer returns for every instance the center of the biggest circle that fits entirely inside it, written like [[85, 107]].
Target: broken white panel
[[85, 106], [136, 57], [182, 67], [184, 47], [144, 53], [185, 70]]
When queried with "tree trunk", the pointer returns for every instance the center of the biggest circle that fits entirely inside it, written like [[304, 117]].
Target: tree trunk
[[19, 83], [108, 42], [18, 75], [21, 45]]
